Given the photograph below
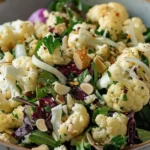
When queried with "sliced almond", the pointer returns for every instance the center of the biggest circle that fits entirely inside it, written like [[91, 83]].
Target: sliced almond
[[87, 88], [41, 147], [60, 99], [40, 123], [101, 67], [61, 89], [81, 59], [70, 101]]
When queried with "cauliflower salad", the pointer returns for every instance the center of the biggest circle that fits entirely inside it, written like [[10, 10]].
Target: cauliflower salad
[[75, 77]]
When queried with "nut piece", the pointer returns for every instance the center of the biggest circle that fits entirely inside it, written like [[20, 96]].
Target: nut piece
[[70, 101], [41, 147], [40, 123], [61, 89], [87, 88], [60, 99], [101, 67], [81, 59]]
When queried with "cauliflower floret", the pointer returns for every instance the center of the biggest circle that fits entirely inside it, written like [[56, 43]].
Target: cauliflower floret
[[8, 57], [103, 51], [56, 58], [62, 147], [75, 124], [127, 95], [22, 29], [28, 73], [52, 18], [7, 38], [138, 27], [9, 121], [30, 45], [145, 49], [41, 30], [109, 127], [24, 62], [109, 16], [11, 33], [8, 138]]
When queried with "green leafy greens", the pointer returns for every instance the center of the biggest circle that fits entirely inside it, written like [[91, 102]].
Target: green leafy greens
[[144, 59], [40, 138], [45, 84], [82, 76], [1, 55], [116, 143], [101, 110]]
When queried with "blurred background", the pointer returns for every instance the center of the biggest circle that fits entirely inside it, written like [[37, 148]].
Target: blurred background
[[19, 9]]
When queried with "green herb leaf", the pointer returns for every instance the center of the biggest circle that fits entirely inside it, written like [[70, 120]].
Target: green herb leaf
[[19, 88], [116, 143], [82, 145], [94, 67], [99, 96], [1, 55], [3, 111], [71, 76], [101, 110], [47, 109], [40, 138], [15, 115], [59, 20], [44, 85], [115, 82], [144, 59], [51, 43], [101, 33], [125, 98], [109, 74], [144, 135], [90, 51], [147, 35], [82, 76]]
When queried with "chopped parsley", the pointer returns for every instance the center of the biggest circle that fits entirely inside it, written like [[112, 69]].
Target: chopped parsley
[[15, 115], [109, 74], [1, 55], [125, 98], [90, 51], [144, 59], [47, 108], [115, 82], [59, 20]]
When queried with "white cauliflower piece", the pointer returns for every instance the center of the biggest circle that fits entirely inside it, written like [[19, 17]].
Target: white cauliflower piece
[[117, 73], [138, 28], [30, 45], [81, 38], [8, 57], [41, 30], [22, 29], [103, 51], [62, 147], [8, 138], [127, 95], [7, 38], [109, 16], [145, 49], [109, 127], [56, 58], [11, 33], [52, 18], [27, 73], [22, 73], [9, 121], [75, 124]]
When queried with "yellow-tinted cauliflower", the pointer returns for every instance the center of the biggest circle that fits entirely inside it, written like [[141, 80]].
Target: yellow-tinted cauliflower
[[11, 33], [75, 124], [109, 16], [10, 121], [109, 127], [134, 26], [127, 95]]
